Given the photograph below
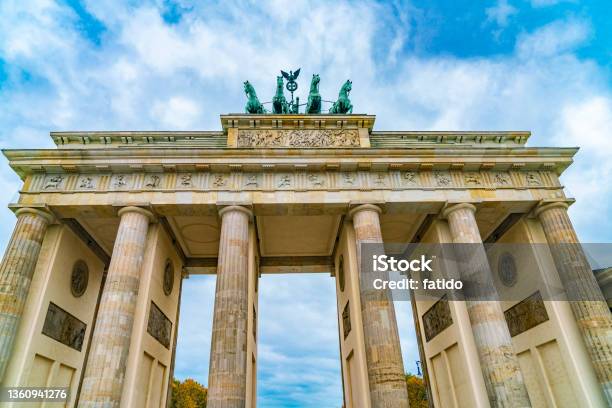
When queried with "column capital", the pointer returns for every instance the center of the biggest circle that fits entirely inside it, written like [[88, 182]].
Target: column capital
[[41, 212], [364, 207], [548, 205], [454, 207], [238, 208], [138, 210]]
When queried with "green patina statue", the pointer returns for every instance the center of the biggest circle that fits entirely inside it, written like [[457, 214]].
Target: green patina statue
[[253, 105], [279, 102], [314, 98], [343, 104]]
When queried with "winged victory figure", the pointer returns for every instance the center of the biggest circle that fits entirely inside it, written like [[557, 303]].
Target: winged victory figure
[[291, 76]]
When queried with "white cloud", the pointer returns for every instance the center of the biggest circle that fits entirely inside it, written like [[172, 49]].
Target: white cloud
[[501, 13], [554, 38], [588, 124], [178, 112], [547, 3]]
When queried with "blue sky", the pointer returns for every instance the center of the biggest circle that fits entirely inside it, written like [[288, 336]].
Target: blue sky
[[539, 65]]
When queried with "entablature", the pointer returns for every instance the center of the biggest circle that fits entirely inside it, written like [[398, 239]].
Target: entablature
[[458, 158], [141, 139], [288, 131], [297, 121], [293, 180]]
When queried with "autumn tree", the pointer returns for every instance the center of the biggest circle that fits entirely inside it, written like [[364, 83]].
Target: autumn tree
[[188, 394], [417, 394]]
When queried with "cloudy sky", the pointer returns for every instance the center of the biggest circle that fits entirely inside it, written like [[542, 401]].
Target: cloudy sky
[[539, 65]]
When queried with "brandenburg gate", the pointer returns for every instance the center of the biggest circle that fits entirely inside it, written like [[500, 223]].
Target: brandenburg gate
[[109, 225]]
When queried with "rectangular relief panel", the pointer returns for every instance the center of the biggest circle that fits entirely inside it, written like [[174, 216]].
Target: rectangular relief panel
[[437, 318], [558, 379], [254, 323], [142, 382], [64, 327], [526, 314], [350, 370], [157, 381], [533, 380], [159, 326], [41, 369], [463, 387], [443, 384], [63, 377], [298, 138], [346, 320], [253, 380]]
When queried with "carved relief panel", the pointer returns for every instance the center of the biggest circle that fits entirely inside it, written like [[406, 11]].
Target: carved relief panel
[[64, 327], [437, 318], [298, 138], [526, 314], [346, 320], [297, 180], [159, 326]]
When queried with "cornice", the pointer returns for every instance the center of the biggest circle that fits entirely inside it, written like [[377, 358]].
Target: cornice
[[297, 121], [219, 139], [403, 139], [26, 161], [262, 153]]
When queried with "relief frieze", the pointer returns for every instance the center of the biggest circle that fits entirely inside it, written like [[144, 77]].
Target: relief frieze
[[87, 182], [159, 326], [185, 180], [54, 182], [410, 178], [442, 178], [302, 180], [533, 179], [437, 318], [349, 179], [121, 181], [152, 181], [298, 138], [252, 181], [501, 179], [472, 178], [64, 327], [526, 314]]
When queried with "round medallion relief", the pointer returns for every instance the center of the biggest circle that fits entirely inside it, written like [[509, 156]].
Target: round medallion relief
[[79, 278], [341, 273], [168, 277], [506, 269]]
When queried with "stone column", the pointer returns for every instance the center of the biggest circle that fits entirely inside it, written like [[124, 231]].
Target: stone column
[[105, 371], [382, 344], [499, 364], [228, 358], [16, 274], [586, 300]]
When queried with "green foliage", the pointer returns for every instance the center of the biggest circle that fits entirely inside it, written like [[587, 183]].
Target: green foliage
[[417, 394], [188, 394], [191, 394]]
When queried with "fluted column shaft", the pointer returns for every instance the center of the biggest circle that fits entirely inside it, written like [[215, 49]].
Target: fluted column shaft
[[105, 371], [16, 273], [586, 300], [386, 374], [228, 359], [500, 367]]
